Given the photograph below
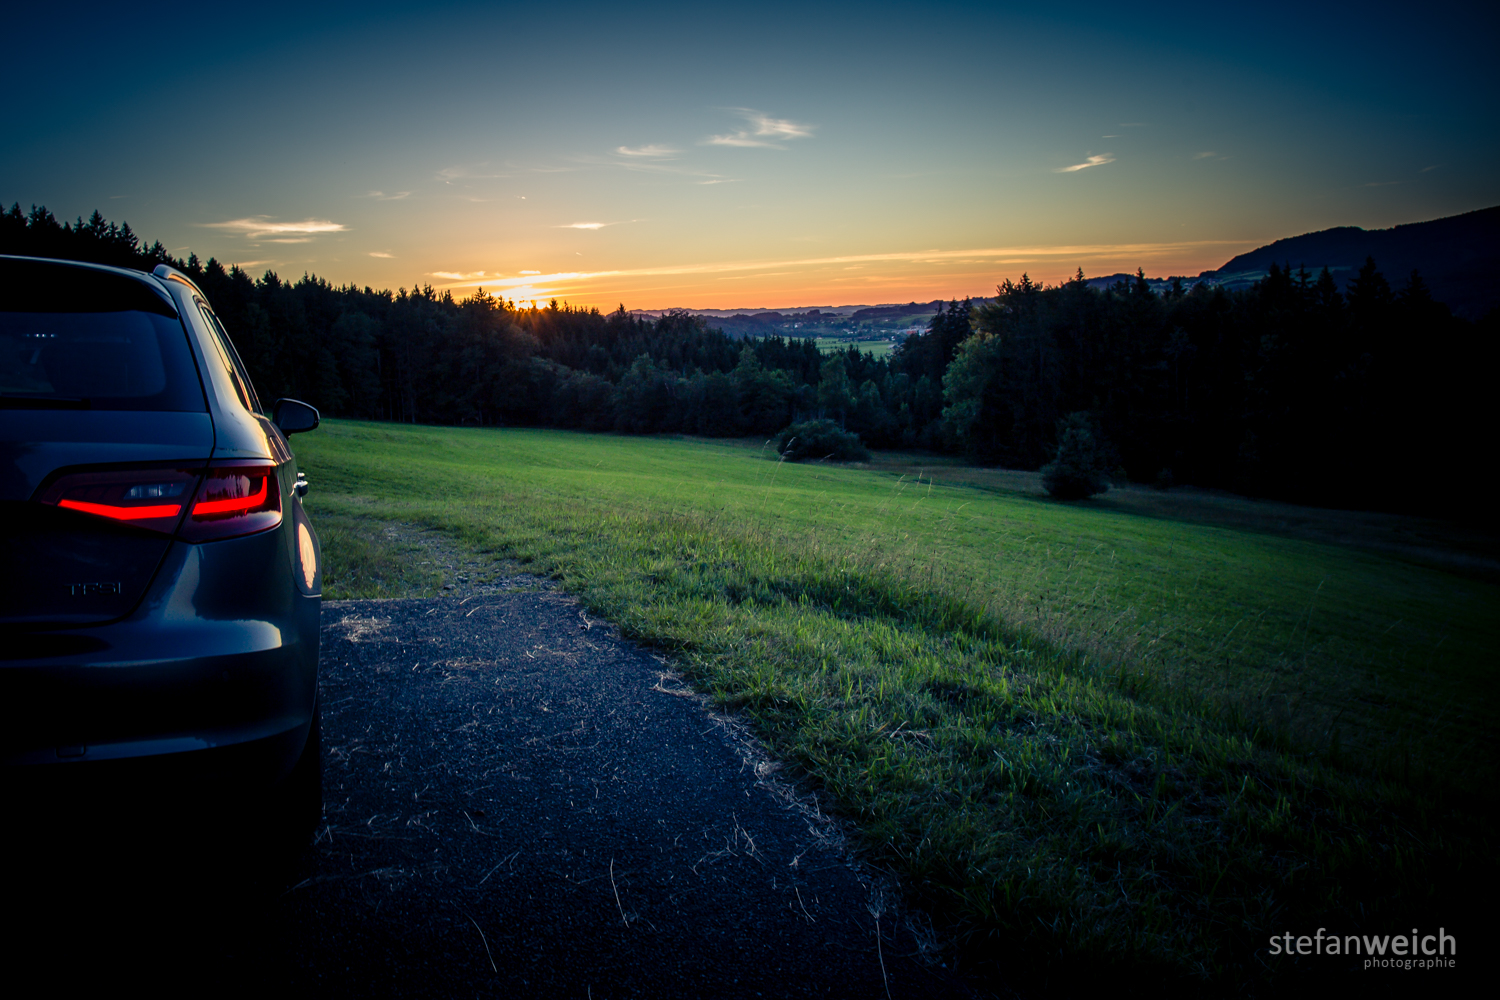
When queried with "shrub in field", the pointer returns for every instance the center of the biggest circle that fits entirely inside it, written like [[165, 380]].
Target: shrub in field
[[815, 439], [1079, 470]]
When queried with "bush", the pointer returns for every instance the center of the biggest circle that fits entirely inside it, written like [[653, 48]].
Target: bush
[[817, 439], [1080, 468]]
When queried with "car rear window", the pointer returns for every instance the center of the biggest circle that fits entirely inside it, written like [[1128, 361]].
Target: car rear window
[[72, 337]]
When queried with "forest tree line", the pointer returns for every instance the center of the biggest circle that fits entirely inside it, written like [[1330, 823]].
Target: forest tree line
[[1370, 398]]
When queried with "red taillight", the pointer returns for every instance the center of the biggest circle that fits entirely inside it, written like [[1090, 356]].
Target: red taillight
[[234, 504], [123, 513], [144, 498], [221, 502], [234, 500]]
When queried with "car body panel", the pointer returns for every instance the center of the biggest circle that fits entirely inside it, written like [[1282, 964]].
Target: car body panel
[[68, 568], [219, 651], [36, 443]]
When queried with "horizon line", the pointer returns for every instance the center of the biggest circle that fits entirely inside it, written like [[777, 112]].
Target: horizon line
[[530, 287]]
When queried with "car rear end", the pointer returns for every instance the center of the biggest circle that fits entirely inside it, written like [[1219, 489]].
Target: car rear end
[[159, 580]]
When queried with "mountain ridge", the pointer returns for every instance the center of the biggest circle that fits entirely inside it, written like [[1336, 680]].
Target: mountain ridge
[[1458, 257]]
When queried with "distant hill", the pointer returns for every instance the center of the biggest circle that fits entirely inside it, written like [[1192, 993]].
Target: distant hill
[[924, 310], [848, 321], [1157, 285], [1459, 258]]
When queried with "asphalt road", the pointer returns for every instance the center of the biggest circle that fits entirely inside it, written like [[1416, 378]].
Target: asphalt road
[[517, 803]]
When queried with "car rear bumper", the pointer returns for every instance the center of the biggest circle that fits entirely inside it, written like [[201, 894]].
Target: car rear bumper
[[231, 775], [178, 692]]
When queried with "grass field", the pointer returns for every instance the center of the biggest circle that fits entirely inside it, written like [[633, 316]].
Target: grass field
[[879, 346], [1081, 736]]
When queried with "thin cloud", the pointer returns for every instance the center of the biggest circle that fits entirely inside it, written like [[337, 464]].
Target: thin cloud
[[646, 159], [1204, 156], [1425, 169], [763, 131], [650, 152], [261, 227], [477, 172], [595, 225], [531, 272], [458, 275], [720, 180], [1092, 161], [382, 253], [382, 196]]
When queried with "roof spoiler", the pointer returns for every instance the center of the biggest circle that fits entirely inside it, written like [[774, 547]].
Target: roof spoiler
[[166, 273]]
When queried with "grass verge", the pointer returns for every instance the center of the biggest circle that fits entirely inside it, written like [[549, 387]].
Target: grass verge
[[1085, 740]]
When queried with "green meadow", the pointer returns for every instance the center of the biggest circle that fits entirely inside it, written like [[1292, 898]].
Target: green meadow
[[1083, 738], [877, 346]]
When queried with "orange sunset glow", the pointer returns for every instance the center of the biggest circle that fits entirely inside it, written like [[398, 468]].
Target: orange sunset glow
[[667, 157], [904, 276]]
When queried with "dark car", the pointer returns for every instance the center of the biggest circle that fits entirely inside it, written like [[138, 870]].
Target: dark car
[[161, 583]]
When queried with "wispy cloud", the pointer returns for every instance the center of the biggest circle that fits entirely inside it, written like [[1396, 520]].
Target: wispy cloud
[[721, 180], [650, 152], [595, 225], [762, 130], [1425, 169], [261, 227], [459, 275], [1204, 156], [653, 158], [383, 196], [1381, 184], [531, 272], [469, 172], [1093, 161], [382, 253]]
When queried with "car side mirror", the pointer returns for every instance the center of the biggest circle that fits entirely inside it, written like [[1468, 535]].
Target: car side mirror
[[294, 416]]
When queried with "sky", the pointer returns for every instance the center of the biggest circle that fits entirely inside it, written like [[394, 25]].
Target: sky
[[746, 156]]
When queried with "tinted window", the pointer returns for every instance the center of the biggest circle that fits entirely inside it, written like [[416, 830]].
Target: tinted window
[[75, 337], [230, 358]]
